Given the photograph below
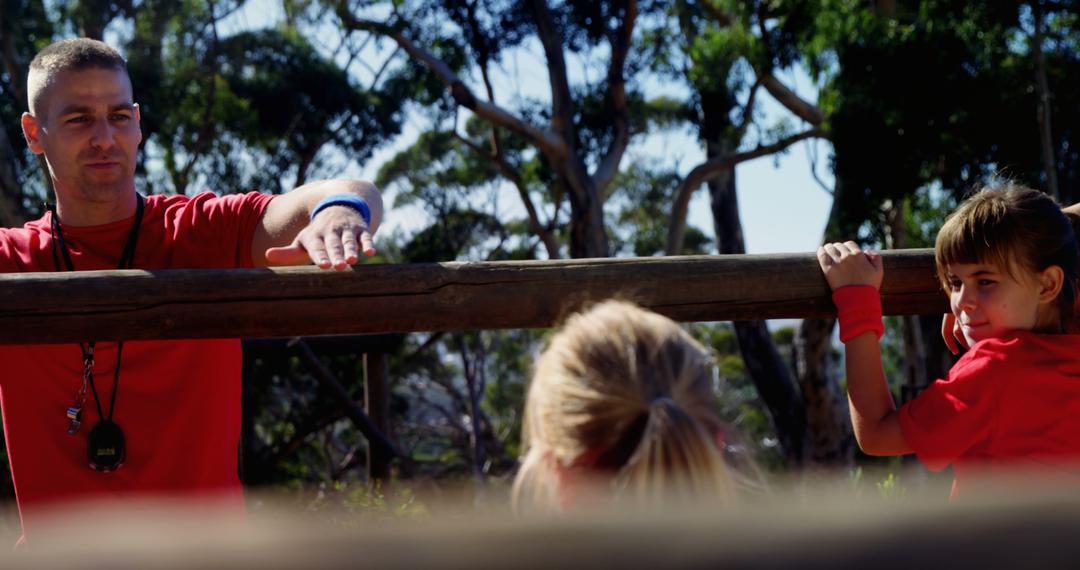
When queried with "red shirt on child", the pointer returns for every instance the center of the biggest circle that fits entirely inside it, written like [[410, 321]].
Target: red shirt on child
[[1009, 404], [178, 402]]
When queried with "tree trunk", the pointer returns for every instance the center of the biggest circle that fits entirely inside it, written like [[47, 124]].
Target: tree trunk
[[830, 441], [472, 366], [252, 469], [1043, 118], [914, 347], [588, 237], [770, 374], [938, 360]]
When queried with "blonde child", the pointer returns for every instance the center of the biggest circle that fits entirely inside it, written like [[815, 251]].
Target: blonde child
[[1008, 259], [621, 408]]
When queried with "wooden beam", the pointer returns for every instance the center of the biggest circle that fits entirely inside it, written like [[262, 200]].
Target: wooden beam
[[164, 304]]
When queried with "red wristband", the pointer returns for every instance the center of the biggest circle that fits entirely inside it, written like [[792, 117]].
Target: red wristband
[[859, 311]]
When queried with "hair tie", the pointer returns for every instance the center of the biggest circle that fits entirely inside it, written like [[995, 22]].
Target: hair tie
[[662, 401]]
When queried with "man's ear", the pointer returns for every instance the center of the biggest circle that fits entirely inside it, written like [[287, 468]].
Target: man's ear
[[138, 120], [1051, 281], [31, 129]]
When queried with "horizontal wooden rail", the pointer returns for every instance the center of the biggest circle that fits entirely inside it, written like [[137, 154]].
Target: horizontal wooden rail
[[162, 304]]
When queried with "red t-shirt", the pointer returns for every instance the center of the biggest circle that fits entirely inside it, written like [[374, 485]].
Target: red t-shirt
[[1009, 404], [179, 401]]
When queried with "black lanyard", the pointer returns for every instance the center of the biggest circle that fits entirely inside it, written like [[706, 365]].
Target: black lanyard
[[127, 258]]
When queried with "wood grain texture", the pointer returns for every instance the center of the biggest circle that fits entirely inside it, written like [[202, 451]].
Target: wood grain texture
[[162, 304]]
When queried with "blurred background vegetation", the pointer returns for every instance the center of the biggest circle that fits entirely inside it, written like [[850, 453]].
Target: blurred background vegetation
[[918, 101]]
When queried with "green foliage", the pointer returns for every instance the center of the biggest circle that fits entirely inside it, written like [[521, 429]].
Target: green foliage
[[352, 505], [908, 95], [250, 109], [434, 376], [784, 336], [491, 27], [26, 27], [737, 400], [893, 359], [454, 231], [639, 225], [885, 484], [438, 170]]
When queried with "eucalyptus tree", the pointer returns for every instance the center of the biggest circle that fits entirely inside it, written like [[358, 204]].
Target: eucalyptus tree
[[580, 132], [724, 52], [571, 144]]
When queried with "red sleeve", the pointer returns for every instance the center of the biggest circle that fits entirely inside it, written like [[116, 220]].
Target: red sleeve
[[225, 225], [9, 254], [955, 414]]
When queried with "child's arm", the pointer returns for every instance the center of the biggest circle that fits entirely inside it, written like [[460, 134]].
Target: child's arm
[[873, 412]]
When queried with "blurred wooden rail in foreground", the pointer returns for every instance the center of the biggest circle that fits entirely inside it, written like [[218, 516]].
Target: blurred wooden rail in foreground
[[164, 304], [1016, 531]]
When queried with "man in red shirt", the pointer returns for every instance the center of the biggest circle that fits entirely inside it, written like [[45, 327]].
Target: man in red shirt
[[157, 417]]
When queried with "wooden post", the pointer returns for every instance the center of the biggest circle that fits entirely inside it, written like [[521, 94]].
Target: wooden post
[[377, 406]]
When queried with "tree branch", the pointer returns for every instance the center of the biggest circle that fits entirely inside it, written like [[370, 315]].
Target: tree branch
[[452, 419], [498, 156], [428, 343], [802, 108], [546, 141], [706, 170], [717, 13], [311, 425], [811, 154], [511, 174], [748, 110], [208, 122], [620, 46], [587, 235], [375, 436], [562, 104], [471, 368]]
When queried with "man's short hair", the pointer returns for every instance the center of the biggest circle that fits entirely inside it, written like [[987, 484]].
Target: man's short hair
[[67, 55]]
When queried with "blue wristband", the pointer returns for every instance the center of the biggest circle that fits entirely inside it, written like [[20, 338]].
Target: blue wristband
[[348, 200]]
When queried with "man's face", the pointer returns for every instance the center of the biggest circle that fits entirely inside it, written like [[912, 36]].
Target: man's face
[[89, 134]]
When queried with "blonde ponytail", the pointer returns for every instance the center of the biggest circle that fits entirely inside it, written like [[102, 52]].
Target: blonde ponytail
[[626, 395], [676, 460]]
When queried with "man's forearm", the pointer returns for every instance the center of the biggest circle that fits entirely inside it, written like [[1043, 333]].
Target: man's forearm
[[290, 213]]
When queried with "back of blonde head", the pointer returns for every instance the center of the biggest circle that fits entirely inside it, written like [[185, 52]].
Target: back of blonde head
[[627, 395]]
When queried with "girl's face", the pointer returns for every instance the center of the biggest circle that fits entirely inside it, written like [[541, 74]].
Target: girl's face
[[989, 303]]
